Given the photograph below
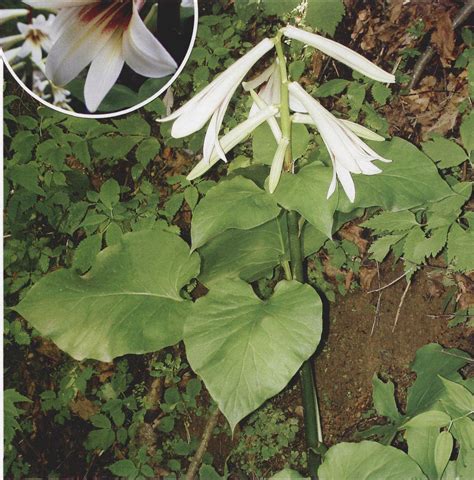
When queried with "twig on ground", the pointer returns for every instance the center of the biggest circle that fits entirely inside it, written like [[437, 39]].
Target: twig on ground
[[462, 15], [379, 300], [392, 282], [399, 309], [206, 436]]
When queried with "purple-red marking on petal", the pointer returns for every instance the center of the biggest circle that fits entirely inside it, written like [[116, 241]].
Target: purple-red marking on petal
[[108, 15]]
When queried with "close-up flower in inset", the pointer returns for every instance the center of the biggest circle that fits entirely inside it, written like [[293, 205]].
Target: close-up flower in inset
[[213, 100], [105, 35], [349, 154]]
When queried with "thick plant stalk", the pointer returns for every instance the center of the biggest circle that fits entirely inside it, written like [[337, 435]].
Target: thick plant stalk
[[308, 385], [310, 406]]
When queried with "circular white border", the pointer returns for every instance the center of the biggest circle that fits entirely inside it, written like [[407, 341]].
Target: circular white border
[[121, 112]]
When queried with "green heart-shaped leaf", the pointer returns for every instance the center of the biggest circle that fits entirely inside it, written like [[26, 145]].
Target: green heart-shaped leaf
[[246, 350], [129, 302], [236, 203]]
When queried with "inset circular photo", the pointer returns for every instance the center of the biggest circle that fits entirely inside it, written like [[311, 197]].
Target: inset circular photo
[[97, 58]]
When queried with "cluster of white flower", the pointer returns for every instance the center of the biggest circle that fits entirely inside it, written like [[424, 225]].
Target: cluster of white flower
[[349, 154], [102, 34]]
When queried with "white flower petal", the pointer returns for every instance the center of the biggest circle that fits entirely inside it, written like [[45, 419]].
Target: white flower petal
[[216, 92], [103, 72], [333, 184], [362, 131], [143, 52], [347, 183], [79, 44], [231, 139], [277, 164], [341, 53], [7, 14]]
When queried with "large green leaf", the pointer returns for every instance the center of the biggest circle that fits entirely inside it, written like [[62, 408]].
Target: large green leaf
[[368, 461], [129, 302], [245, 254], [236, 203], [306, 193], [246, 350], [411, 179], [432, 361]]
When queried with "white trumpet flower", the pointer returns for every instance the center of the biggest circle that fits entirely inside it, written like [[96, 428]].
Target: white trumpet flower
[[349, 154], [106, 35], [212, 102], [341, 53], [7, 14], [233, 138]]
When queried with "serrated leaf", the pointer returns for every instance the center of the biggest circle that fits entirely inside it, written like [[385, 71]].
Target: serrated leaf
[[114, 147], [147, 150], [129, 302], [245, 254], [414, 250], [392, 222], [27, 176], [383, 394], [134, 124], [246, 350], [460, 244], [368, 461], [306, 193], [380, 248], [236, 203], [381, 93], [325, 15], [410, 180], [446, 153], [279, 7]]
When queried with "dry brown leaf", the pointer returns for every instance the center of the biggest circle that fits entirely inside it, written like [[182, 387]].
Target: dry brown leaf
[[83, 407], [49, 349], [396, 7], [355, 234], [367, 275], [443, 38]]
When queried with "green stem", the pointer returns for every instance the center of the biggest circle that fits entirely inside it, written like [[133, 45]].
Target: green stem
[[310, 402], [284, 103], [308, 385]]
